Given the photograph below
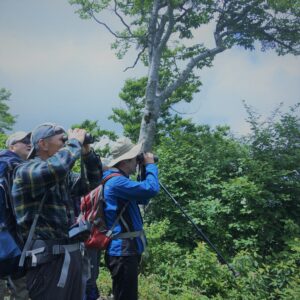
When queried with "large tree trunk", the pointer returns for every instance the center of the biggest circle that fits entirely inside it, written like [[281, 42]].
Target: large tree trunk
[[149, 121]]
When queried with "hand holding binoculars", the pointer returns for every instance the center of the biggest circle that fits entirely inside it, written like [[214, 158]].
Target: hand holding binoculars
[[88, 139]]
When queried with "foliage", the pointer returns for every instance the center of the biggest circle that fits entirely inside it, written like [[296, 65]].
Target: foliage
[[211, 158], [275, 160], [94, 129], [273, 23], [196, 274], [3, 138], [6, 119], [243, 194], [133, 95]]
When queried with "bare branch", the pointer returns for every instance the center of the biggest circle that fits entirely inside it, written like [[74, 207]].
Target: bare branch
[[91, 13], [121, 18], [152, 26], [168, 33], [184, 113], [136, 60], [186, 72], [160, 30], [131, 37], [219, 38], [175, 63]]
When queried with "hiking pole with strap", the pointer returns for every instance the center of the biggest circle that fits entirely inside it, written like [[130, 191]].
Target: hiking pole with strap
[[201, 233]]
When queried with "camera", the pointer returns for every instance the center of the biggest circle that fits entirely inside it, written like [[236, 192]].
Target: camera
[[140, 158], [88, 139], [80, 231]]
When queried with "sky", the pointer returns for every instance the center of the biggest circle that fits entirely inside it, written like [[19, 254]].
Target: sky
[[60, 68]]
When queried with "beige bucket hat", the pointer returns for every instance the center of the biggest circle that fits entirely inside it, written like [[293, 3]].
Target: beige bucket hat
[[123, 149]]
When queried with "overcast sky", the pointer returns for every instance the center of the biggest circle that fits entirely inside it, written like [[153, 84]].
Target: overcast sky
[[60, 68]]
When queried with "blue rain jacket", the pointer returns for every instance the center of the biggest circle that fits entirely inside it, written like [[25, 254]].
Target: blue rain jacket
[[119, 190]]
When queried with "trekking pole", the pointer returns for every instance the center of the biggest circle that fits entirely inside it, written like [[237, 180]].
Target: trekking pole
[[200, 232]]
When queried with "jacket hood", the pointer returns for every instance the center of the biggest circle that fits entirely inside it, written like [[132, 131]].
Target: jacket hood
[[10, 156]]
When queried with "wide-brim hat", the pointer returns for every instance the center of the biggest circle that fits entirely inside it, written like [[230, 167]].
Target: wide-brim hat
[[123, 149]]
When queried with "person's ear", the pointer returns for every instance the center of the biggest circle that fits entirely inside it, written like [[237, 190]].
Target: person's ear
[[43, 145]]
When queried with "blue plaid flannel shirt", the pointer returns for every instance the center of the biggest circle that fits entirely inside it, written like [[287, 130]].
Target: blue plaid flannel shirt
[[35, 178]]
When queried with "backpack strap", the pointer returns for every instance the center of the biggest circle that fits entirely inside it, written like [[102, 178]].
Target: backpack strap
[[90, 201], [128, 234], [31, 232], [109, 177], [9, 222], [109, 232], [6, 184]]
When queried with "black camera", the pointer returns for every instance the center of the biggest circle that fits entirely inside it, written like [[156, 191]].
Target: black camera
[[140, 158], [80, 231], [88, 139]]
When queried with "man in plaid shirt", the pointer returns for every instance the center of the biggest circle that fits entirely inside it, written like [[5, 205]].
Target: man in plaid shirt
[[56, 262]]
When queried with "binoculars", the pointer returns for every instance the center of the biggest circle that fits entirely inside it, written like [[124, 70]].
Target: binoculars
[[140, 158], [88, 139]]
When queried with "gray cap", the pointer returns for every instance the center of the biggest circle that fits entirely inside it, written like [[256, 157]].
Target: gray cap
[[16, 137], [43, 131]]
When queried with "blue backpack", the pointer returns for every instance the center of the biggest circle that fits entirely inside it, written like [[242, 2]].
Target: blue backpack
[[10, 239]]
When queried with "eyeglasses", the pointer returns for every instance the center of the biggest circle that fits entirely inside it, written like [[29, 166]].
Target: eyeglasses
[[25, 140]]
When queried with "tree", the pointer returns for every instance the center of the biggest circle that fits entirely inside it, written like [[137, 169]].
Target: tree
[[165, 34], [6, 119], [243, 193], [93, 128], [3, 138], [133, 94], [275, 161]]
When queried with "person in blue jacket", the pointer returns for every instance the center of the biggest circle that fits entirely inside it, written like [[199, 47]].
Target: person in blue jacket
[[124, 195], [18, 147]]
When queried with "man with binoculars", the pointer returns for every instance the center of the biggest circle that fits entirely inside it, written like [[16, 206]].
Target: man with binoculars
[[42, 191], [122, 197]]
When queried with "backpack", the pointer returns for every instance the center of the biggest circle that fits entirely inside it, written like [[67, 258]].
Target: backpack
[[10, 239], [92, 210]]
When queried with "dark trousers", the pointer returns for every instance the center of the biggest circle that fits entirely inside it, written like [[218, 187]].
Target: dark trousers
[[92, 291], [124, 273], [42, 280]]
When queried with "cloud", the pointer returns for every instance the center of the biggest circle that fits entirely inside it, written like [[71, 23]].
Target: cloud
[[263, 80], [61, 68], [18, 59]]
